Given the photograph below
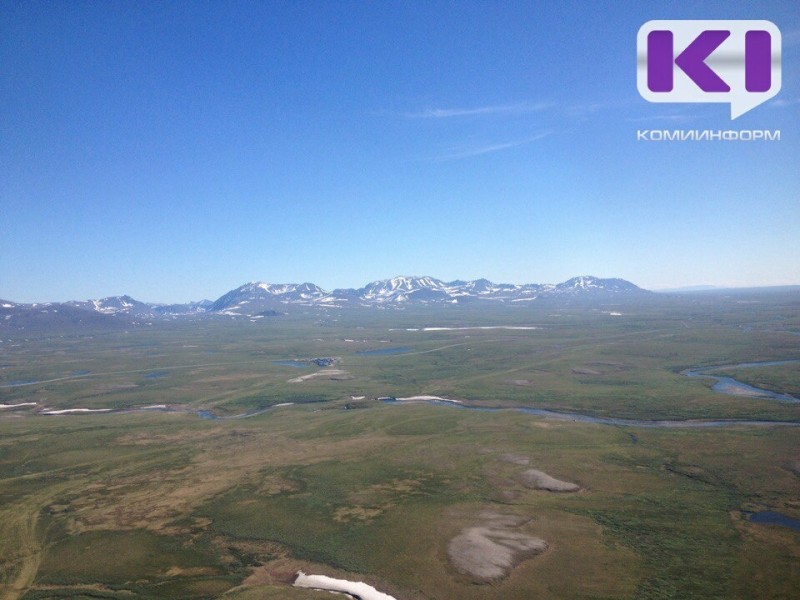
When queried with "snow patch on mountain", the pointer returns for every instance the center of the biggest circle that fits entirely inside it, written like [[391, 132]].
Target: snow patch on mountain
[[271, 299], [406, 290]]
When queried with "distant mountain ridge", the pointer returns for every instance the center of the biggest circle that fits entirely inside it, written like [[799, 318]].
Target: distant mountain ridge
[[253, 297], [261, 298]]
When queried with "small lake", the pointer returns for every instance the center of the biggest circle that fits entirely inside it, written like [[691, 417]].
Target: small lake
[[156, 375], [295, 364], [769, 517], [385, 351], [304, 363], [733, 387]]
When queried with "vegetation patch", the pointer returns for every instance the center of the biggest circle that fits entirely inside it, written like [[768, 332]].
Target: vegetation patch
[[123, 558]]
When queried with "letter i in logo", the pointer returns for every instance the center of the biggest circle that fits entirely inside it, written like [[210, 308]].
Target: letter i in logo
[[735, 62], [757, 61]]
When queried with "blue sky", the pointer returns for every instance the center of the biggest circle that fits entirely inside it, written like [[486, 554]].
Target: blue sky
[[173, 151]]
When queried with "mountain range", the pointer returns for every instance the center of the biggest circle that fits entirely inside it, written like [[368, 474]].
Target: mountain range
[[268, 299]]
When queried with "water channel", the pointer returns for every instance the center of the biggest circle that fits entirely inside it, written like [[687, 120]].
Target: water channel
[[730, 386], [724, 385]]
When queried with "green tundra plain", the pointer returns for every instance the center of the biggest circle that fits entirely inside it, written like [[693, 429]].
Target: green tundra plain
[[220, 470]]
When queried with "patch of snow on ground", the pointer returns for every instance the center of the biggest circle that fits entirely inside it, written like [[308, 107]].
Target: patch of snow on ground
[[508, 327], [17, 405], [427, 399], [485, 327], [68, 411], [356, 589]]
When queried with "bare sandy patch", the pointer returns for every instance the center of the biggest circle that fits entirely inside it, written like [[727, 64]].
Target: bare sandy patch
[[490, 550], [521, 382], [585, 371], [275, 572], [345, 514], [273, 485], [542, 481], [515, 459], [190, 571], [331, 374]]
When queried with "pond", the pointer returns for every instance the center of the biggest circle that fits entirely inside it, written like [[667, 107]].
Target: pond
[[295, 364], [385, 351], [769, 517], [156, 375]]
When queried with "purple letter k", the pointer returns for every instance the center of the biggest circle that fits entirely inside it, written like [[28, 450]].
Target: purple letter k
[[691, 61]]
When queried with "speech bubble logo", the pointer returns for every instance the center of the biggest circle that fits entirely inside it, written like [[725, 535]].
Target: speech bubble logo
[[732, 62]]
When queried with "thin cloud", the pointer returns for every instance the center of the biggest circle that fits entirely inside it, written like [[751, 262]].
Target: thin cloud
[[782, 102], [494, 110], [677, 118], [487, 149], [592, 108]]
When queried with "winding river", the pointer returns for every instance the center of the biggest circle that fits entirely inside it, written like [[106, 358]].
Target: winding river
[[730, 386], [724, 385], [582, 418]]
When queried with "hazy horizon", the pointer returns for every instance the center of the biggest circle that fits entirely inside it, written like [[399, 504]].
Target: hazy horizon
[[217, 295]]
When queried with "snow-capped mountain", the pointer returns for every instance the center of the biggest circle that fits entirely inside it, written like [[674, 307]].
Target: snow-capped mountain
[[51, 317], [189, 308], [114, 305], [404, 289], [268, 299], [254, 297], [586, 283]]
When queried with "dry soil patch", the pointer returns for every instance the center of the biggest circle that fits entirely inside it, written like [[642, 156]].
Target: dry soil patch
[[331, 374], [489, 550], [540, 480]]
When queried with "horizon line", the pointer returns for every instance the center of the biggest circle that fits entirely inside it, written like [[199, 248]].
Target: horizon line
[[657, 289]]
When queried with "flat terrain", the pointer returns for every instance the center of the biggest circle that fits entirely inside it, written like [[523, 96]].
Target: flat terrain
[[219, 472]]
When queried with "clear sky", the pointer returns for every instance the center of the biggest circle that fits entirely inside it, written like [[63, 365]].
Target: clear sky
[[173, 151]]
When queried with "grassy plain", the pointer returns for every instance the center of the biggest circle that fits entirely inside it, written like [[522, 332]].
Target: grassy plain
[[165, 504]]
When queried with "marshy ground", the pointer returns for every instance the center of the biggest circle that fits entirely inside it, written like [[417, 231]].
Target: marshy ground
[[418, 501]]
